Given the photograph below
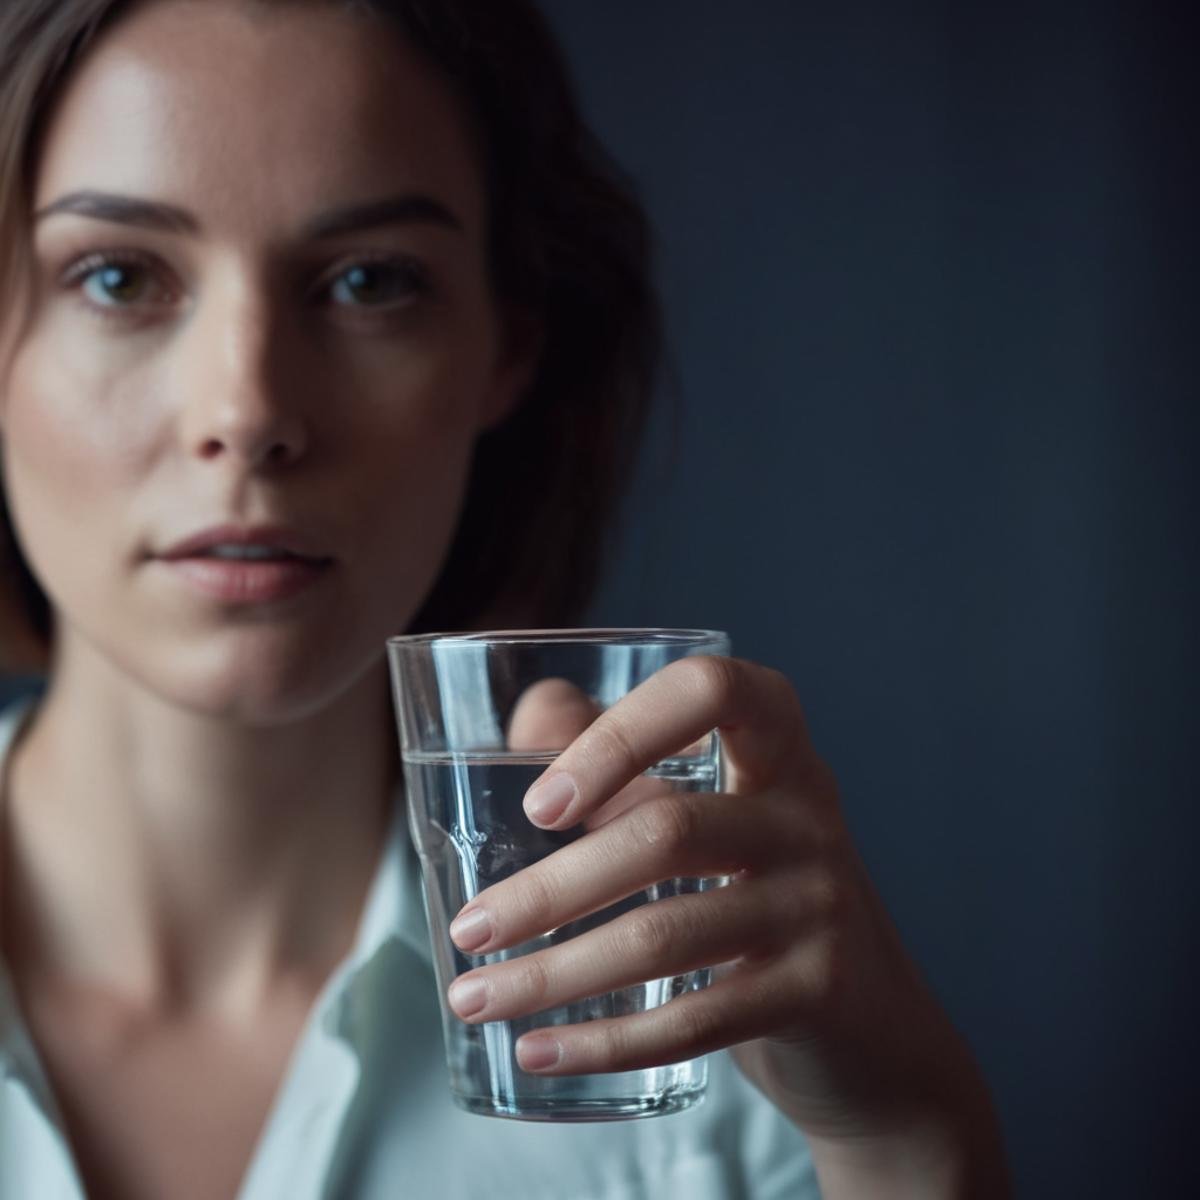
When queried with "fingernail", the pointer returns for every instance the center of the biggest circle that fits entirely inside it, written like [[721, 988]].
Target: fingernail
[[468, 996], [548, 799], [471, 929], [537, 1053]]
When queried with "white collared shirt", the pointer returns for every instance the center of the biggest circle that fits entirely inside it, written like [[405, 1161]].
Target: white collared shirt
[[364, 1110]]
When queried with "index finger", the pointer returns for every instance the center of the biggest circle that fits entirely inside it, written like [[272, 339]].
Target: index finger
[[754, 708]]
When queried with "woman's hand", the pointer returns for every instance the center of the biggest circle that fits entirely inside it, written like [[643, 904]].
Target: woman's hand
[[827, 1014]]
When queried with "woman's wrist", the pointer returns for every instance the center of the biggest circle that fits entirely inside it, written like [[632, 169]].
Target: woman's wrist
[[937, 1136], [956, 1157]]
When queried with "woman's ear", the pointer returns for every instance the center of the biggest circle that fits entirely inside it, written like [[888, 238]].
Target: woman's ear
[[519, 356]]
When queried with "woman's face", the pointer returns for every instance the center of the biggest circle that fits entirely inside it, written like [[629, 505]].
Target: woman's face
[[260, 299]]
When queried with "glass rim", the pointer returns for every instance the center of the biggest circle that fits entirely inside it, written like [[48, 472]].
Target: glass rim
[[599, 636]]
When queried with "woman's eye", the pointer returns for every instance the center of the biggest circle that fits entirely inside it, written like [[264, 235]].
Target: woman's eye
[[115, 284], [378, 285]]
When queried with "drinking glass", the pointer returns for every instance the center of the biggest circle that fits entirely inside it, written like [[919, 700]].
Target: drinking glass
[[481, 716]]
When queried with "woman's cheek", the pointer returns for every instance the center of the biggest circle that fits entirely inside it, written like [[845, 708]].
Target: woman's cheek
[[94, 393], [77, 437], [414, 382]]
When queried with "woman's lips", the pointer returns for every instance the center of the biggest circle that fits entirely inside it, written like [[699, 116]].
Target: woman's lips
[[248, 581]]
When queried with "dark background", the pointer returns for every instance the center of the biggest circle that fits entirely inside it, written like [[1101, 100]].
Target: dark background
[[930, 272]]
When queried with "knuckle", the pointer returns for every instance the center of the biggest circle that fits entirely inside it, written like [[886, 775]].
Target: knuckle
[[828, 901], [613, 741], [531, 979], [826, 834], [806, 902], [824, 893], [536, 897], [714, 675], [648, 936], [613, 1045], [792, 823], [694, 1026], [668, 823]]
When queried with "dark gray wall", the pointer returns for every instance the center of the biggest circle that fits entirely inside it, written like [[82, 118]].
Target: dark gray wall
[[930, 275]]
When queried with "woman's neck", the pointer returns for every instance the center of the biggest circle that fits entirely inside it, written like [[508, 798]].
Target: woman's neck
[[177, 861]]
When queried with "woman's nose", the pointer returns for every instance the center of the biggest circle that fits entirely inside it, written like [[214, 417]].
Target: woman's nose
[[241, 403]]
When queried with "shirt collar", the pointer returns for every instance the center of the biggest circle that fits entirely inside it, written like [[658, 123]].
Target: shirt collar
[[16, 1049], [357, 1001]]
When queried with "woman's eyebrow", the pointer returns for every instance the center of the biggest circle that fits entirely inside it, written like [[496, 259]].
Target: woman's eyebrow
[[149, 214], [122, 210]]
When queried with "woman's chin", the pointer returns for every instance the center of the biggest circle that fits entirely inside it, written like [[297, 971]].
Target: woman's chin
[[254, 681]]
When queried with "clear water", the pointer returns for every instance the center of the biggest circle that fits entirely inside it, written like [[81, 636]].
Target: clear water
[[470, 832]]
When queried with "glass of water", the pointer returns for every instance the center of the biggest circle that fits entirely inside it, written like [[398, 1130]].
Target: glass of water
[[481, 716]]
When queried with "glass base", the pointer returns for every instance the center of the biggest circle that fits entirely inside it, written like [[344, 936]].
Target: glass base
[[547, 1109]]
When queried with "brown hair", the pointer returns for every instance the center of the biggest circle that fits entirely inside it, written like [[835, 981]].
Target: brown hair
[[567, 240]]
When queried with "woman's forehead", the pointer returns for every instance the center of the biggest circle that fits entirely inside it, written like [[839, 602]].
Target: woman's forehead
[[257, 115]]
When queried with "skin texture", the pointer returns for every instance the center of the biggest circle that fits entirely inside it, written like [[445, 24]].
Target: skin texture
[[195, 814]]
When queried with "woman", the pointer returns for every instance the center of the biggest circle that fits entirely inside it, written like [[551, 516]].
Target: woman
[[347, 289]]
